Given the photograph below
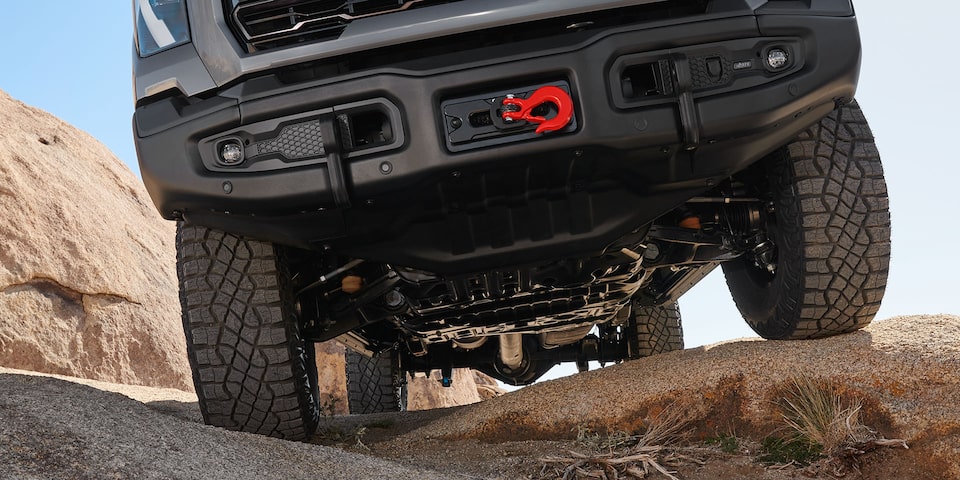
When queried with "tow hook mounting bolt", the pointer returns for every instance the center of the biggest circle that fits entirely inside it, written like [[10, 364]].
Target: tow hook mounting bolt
[[509, 108]]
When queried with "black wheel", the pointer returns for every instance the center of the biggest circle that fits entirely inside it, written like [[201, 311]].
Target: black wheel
[[654, 330], [375, 384], [252, 369], [824, 267]]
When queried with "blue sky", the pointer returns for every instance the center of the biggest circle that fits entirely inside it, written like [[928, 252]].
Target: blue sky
[[73, 60]]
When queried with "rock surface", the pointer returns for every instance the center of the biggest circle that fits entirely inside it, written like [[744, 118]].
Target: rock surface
[[332, 378], [425, 392], [904, 368], [87, 272], [51, 428], [487, 386]]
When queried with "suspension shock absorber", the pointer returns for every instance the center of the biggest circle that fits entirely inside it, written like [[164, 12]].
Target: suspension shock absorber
[[743, 219]]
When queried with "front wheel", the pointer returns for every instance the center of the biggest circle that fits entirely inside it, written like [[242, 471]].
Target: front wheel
[[251, 367], [823, 269]]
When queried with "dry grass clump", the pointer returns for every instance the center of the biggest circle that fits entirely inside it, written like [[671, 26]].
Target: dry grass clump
[[627, 456], [822, 421], [818, 415], [352, 437], [825, 435]]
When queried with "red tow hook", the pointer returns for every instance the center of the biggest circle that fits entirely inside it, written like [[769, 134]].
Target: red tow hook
[[520, 108]]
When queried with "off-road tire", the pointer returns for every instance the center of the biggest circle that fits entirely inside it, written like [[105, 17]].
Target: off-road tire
[[252, 370], [655, 329], [831, 227], [375, 385]]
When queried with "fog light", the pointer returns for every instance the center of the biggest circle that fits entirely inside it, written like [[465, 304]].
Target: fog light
[[231, 153], [777, 58]]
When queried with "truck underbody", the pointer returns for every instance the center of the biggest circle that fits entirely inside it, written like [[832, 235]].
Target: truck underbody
[[511, 188]]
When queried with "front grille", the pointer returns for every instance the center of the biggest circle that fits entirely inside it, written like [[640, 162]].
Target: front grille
[[265, 24]]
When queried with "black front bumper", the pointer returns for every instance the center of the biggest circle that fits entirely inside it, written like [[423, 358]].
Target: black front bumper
[[424, 197]]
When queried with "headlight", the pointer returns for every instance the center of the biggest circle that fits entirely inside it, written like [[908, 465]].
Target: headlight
[[161, 24]]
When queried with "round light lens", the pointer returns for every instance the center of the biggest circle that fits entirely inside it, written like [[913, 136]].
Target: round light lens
[[777, 58], [231, 153]]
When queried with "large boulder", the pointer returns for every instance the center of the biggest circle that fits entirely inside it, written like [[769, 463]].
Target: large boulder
[[87, 266], [426, 392], [332, 378], [423, 392], [904, 369], [88, 284]]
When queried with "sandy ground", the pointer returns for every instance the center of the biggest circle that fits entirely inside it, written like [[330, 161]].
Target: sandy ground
[[904, 368]]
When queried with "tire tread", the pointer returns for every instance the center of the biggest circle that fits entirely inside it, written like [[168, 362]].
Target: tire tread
[[657, 329], [248, 359], [374, 385], [834, 253]]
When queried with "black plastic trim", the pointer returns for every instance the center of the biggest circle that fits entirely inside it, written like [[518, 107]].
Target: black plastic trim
[[417, 204], [250, 135], [689, 121], [338, 181]]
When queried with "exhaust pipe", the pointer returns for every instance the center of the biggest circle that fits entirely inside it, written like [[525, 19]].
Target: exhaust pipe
[[511, 350]]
